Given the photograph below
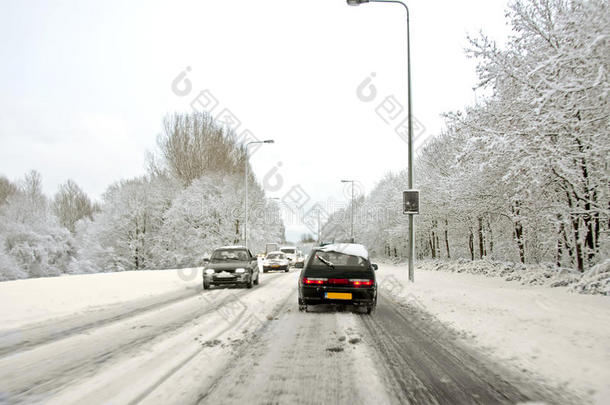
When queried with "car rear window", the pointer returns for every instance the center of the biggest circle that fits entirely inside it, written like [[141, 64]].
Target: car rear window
[[336, 259], [275, 256], [291, 251]]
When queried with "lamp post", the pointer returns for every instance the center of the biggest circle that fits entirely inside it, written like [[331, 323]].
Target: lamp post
[[410, 124], [351, 181], [246, 180]]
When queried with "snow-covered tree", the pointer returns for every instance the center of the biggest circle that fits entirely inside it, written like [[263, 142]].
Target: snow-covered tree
[[523, 174], [71, 204], [33, 242]]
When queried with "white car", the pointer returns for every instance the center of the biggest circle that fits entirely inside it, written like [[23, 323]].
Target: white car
[[291, 253], [276, 261]]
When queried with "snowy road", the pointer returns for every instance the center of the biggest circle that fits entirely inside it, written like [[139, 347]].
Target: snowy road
[[248, 346], [397, 356]]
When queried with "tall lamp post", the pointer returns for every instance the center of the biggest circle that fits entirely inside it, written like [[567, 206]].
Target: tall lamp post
[[351, 181], [246, 180], [410, 123]]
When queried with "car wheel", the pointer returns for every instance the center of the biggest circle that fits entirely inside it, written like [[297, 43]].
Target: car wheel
[[302, 308], [206, 286], [264, 271], [369, 309], [286, 271], [249, 283], [258, 276]]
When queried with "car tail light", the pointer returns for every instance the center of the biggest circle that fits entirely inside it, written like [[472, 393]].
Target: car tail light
[[314, 281], [361, 282]]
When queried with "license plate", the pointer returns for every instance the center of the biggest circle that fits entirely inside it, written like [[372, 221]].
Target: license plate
[[224, 275], [275, 266], [338, 296]]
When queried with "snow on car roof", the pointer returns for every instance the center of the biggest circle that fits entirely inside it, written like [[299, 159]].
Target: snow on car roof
[[353, 249], [231, 247]]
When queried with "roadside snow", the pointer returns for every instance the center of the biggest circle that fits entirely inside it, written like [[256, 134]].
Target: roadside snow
[[32, 300], [594, 281], [560, 336]]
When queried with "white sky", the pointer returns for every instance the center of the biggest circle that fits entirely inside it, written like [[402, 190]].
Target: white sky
[[84, 85]]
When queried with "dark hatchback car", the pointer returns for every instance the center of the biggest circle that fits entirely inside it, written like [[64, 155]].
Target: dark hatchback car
[[338, 274], [231, 265]]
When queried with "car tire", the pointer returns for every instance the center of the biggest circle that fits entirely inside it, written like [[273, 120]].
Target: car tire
[[206, 286], [370, 309], [302, 308], [258, 276], [286, 271], [249, 283], [264, 271]]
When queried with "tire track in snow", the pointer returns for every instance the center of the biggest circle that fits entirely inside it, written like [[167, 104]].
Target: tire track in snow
[[425, 365], [51, 366], [42, 333]]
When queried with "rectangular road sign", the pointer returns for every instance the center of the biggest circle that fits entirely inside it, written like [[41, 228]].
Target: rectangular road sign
[[410, 202]]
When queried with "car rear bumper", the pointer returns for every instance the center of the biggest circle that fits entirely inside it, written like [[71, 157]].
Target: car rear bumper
[[315, 295]]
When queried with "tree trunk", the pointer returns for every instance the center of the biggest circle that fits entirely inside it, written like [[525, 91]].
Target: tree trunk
[[431, 243], [471, 244], [447, 238], [438, 247], [580, 265], [559, 243], [491, 238], [518, 231], [481, 240]]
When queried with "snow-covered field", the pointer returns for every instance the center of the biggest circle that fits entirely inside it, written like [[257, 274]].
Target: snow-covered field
[[78, 339], [551, 332]]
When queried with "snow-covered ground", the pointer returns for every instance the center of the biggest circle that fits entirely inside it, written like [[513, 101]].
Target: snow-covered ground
[[78, 339], [38, 299], [133, 327], [562, 336]]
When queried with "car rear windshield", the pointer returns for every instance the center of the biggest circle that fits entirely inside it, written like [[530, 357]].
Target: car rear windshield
[[287, 250], [337, 260], [275, 256], [230, 254]]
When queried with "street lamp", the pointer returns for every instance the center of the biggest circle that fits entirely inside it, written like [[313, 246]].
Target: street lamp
[[246, 197], [351, 181], [410, 124]]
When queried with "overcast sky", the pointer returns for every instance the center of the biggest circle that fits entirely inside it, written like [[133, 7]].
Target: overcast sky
[[84, 85]]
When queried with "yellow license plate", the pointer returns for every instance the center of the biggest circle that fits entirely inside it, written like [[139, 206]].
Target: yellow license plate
[[338, 296]]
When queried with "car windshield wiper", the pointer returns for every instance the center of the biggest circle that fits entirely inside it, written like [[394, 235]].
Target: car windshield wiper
[[326, 262]]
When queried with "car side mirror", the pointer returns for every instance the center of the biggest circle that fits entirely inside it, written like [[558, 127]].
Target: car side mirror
[[375, 267], [206, 260]]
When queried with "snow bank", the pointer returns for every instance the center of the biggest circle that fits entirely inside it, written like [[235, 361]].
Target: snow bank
[[594, 281], [538, 331], [39, 299]]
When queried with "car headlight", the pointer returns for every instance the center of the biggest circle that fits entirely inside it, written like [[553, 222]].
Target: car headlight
[[240, 270], [209, 271]]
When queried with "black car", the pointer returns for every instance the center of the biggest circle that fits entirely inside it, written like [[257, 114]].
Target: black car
[[231, 265], [338, 274]]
